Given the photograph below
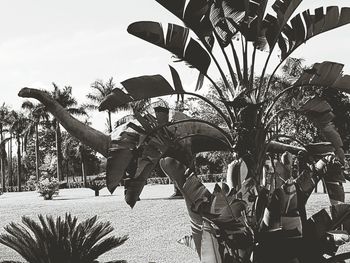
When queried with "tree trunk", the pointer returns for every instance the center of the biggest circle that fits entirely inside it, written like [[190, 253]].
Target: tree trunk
[[37, 161], [83, 167], [110, 121], [2, 162], [67, 171], [19, 163], [10, 170], [59, 151], [97, 192]]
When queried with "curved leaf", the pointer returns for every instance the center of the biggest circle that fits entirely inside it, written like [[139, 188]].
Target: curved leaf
[[145, 87], [325, 74], [175, 39], [187, 241], [319, 112], [194, 14], [204, 137], [124, 141], [275, 25], [115, 99], [140, 88], [305, 26]]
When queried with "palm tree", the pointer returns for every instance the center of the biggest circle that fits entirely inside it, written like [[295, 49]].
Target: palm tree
[[37, 114], [100, 91], [17, 129], [4, 122], [66, 100]]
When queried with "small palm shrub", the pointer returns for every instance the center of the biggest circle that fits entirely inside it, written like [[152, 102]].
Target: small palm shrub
[[60, 241], [47, 187], [96, 185]]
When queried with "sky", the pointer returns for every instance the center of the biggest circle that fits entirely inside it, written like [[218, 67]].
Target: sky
[[73, 43]]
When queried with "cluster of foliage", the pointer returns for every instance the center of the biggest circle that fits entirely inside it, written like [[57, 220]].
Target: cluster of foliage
[[61, 239], [41, 145], [47, 187], [97, 184]]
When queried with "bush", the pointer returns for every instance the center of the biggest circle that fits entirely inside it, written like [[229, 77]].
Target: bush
[[97, 184], [61, 240], [31, 184], [47, 187]]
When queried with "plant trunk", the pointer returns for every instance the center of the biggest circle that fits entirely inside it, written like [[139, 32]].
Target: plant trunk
[[2, 162], [109, 121], [87, 135], [10, 170], [37, 161], [59, 151], [97, 192], [19, 163], [83, 167]]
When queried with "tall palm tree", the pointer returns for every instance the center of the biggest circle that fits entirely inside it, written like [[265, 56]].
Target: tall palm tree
[[4, 122], [100, 91], [65, 98], [17, 129], [37, 114]]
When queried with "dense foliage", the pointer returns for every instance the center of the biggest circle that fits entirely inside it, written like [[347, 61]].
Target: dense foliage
[[60, 240]]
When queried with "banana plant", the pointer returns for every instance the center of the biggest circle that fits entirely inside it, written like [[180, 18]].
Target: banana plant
[[238, 31]]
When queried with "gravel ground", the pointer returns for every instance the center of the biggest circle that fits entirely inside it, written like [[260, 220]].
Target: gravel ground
[[153, 225]]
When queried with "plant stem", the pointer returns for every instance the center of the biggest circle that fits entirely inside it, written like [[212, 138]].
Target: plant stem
[[237, 63]]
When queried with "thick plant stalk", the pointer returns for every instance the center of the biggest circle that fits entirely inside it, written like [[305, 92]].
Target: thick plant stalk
[[87, 135], [176, 171]]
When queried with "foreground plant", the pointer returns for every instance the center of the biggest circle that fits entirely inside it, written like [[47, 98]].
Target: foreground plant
[[60, 240]]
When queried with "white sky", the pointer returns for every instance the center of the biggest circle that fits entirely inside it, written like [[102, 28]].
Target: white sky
[[74, 42]]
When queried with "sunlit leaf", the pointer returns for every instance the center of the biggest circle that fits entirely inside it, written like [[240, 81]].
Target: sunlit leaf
[[175, 39]]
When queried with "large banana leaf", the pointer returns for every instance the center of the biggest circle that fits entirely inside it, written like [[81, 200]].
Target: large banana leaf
[[147, 87], [194, 14], [326, 74], [305, 26], [143, 87], [204, 137], [115, 99], [124, 141], [319, 112], [175, 39], [229, 17], [274, 25]]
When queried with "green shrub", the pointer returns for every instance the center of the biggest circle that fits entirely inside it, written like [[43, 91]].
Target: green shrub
[[31, 183], [60, 240], [47, 187], [97, 184]]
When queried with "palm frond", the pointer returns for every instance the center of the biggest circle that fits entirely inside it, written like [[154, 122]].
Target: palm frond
[[60, 240]]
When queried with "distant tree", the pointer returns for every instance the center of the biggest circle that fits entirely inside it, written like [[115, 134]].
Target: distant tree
[[18, 127], [100, 91], [37, 115], [4, 123], [65, 98]]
